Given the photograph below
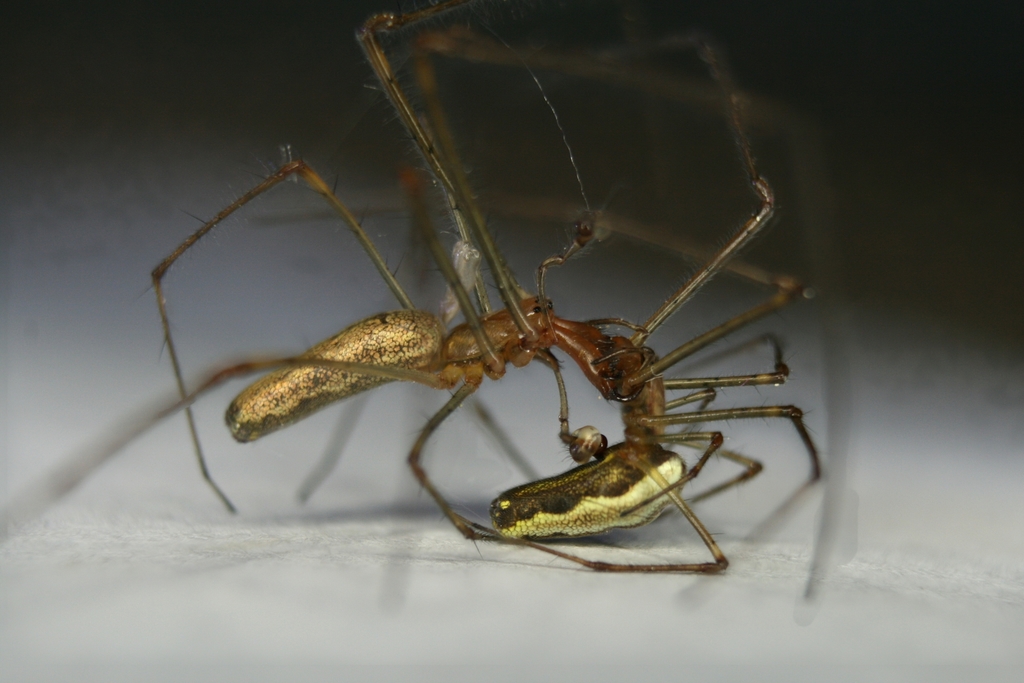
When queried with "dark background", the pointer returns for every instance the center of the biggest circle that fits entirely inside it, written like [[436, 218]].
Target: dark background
[[919, 104]]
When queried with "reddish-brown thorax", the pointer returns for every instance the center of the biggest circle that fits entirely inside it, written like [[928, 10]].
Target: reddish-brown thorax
[[604, 360], [462, 350]]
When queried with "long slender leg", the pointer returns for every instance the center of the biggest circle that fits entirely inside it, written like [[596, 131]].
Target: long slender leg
[[34, 499], [375, 54], [785, 295], [464, 525], [704, 397], [443, 163], [628, 72], [720, 563], [775, 378], [459, 43], [607, 222], [757, 183], [316, 183], [413, 184], [461, 199], [794, 414], [705, 385], [502, 439], [751, 467], [779, 376], [546, 357], [714, 442], [509, 289], [332, 453]]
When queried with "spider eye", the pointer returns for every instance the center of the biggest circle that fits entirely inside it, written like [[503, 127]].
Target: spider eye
[[537, 309], [551, 306]]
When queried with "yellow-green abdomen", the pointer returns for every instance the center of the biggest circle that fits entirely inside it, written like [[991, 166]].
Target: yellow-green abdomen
[[406, 339], [589, 499]]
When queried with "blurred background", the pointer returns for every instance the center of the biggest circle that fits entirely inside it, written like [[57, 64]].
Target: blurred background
[[891, 134]]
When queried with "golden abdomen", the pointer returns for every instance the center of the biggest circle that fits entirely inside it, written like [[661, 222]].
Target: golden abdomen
[[406, 339]]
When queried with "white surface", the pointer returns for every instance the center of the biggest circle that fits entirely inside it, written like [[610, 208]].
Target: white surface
[[141, 571]]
